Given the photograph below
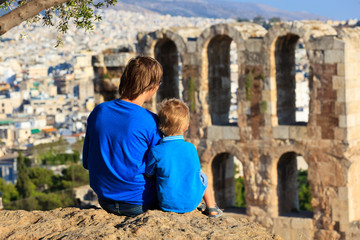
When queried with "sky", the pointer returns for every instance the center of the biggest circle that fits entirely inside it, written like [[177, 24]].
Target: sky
[[333, 9]]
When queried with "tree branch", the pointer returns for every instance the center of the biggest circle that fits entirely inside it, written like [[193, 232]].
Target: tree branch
[[2, 1], [24, 12]]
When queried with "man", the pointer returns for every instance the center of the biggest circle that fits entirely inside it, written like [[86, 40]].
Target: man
[[118, 136]]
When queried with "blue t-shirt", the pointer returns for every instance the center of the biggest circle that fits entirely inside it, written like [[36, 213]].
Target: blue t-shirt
[[118, 137], [176, 165]]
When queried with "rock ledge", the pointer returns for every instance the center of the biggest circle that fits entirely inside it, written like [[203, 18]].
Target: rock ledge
[[74, 223]]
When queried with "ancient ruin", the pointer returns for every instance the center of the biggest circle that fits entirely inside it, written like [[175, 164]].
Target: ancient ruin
[[266, 137]]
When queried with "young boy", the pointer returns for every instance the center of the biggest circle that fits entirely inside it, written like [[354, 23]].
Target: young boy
[[179, 181], [119, 134]]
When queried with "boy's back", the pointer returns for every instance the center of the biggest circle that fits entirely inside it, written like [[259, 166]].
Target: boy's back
[[176, 165]]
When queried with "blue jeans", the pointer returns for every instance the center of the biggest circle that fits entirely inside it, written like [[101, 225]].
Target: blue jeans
[[204, 180], [124, 209]]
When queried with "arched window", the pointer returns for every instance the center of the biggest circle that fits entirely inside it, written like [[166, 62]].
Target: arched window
[[168, 56], [228, 181], [292, 80], [294, 197], [223, 80]]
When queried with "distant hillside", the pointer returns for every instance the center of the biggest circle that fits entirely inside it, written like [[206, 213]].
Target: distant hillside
[[212, 9], [209, 9]]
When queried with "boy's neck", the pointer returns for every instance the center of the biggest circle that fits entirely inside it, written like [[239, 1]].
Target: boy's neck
[[176, 134]]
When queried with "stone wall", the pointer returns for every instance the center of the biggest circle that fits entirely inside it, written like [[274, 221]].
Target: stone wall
[[267, 139]]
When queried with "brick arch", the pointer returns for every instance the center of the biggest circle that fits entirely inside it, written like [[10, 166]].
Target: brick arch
[[215, 75], [286, 35]]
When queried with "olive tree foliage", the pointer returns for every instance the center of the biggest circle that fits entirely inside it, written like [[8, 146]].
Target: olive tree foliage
[[54, 13]]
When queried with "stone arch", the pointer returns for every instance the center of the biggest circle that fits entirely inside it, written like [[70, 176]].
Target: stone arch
[[169, 49], [166, 53], [220, 170], [280, 43], [148, 41], [218, 52], [215, 71], [287, 195]]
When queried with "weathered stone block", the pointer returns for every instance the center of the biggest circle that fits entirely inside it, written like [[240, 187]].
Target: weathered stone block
[[214, 132], [231, 133], [349, 120], [343, 193], [334, 56], [302, 223], [353, 82], [298, 132], [293, 228], [329, 42], [340, 95], [340, 210], [340, 69], [118, 59], [340, 133], [254, 45], [274, 120], [271, 109], [342, 121], [339, 44], [338, 82], [191, 47], [340, 108], [266, 95], [317, 107], [298, 234], [328, 173], [281, 132], [223, 132], [352, 94], [353, 133]]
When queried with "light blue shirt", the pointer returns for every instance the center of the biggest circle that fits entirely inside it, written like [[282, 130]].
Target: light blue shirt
[[176, 165]]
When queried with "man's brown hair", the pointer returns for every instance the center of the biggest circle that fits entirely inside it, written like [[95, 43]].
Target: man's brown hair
[[174, 116], [141, 74]]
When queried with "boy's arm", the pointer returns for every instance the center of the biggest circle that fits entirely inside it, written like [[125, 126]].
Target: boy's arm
[[150, 169]]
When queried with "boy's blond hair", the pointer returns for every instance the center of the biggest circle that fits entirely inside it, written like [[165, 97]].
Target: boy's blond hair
[[174, 117], [141, 74]]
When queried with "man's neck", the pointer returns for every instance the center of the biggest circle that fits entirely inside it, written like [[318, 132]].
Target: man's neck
[[144, 97], [135, 101], [138, 101]]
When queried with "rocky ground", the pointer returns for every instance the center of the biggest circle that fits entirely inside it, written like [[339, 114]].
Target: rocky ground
[[75, 223]]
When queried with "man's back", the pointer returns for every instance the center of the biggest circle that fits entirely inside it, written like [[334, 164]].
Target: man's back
[[119, 134]]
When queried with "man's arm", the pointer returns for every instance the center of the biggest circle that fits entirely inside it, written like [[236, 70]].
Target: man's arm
[[85, 150]]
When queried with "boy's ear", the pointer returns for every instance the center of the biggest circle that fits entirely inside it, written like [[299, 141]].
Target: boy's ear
[[186, 127]]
